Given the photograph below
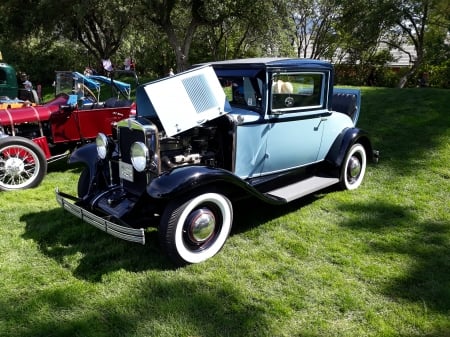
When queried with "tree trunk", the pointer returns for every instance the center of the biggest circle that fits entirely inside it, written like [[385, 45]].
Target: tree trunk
[[404, 79], [416, 65]]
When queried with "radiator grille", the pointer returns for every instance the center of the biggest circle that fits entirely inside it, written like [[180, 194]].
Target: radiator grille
[[128, 136]]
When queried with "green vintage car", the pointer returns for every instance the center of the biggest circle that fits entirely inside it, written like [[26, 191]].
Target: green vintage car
[[10, 93], [8, 81]]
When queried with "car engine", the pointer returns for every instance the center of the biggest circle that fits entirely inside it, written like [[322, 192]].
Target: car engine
[[196, 146]]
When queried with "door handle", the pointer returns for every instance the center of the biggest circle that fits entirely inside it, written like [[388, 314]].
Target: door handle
[[322, 119]]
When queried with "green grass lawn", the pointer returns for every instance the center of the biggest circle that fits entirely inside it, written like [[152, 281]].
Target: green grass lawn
[[370, 262]]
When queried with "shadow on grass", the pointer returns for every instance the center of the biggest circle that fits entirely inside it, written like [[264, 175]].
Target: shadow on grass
[[405, 125], [218, 309], [212, 308], [398, 230], [251, 213], [61, 236]]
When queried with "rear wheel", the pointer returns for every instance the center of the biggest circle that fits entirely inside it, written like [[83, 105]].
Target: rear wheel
[[195, 229], [22, 164], [354, 167]]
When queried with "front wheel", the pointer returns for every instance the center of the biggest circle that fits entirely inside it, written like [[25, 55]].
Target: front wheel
[[22, 164], [353, 168], [195, 229]]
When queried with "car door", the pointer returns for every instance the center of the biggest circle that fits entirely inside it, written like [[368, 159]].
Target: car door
[[296, 120]]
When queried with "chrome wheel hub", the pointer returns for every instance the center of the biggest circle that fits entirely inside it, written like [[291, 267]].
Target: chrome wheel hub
[[14, 167], [354, 167], [200, 226]]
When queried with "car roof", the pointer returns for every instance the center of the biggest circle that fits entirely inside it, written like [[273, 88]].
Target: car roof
[[271, 63]]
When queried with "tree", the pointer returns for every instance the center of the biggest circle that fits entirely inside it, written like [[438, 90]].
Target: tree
[[247, 29], [314, 21], [43, 35], [178, 20], [18, 19], [99, 26], [230, 28], [358, 31], [412, 24]]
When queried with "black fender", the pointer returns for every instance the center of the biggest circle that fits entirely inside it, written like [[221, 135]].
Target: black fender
[[87, 154], [344, 141], [185, 179]]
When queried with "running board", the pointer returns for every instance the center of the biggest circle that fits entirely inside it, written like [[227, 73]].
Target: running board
[[302, 188]]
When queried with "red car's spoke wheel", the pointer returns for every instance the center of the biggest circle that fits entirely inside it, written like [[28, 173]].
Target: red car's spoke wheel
[[194, 230], [22, 164]]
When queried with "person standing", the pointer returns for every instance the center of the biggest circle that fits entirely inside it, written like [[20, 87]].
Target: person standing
[[127, 63], [26, 82]]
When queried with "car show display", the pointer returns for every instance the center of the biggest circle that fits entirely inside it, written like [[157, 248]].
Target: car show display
[[31, 136], [274, 129]]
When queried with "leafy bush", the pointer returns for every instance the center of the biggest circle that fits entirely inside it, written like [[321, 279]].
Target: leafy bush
[[40, 60], [439, 75], [380, 76]]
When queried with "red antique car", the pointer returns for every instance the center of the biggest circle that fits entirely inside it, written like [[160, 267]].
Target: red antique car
[[33, 136]]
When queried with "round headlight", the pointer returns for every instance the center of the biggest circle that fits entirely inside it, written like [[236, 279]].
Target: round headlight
[[102, 145], [139, 156]]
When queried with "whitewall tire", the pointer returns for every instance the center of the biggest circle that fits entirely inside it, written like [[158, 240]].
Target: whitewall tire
[[195, 229], [354, 167]]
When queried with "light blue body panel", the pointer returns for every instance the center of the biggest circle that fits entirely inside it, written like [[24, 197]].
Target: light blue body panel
[[280, 145], [251, 143], [293, 143], [334, 125]]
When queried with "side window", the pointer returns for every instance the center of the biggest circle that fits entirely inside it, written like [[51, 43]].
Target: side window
[[296, 91]]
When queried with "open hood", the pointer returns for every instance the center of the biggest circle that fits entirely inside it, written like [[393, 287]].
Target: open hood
[[183, 101]]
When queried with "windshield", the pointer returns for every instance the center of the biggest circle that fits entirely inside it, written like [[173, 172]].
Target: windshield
[[244, 87], [96, 88], [243, 91]]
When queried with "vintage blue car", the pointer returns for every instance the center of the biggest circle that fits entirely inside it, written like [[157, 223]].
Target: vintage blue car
[[269, 128]]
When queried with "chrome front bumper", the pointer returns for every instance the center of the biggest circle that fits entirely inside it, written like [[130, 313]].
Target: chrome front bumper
[[122, 232]]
